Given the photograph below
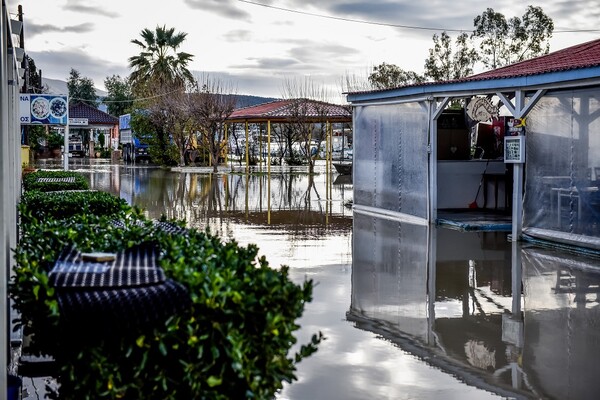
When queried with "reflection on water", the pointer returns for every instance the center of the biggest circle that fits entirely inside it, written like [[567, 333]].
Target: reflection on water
[[518, 321], [409, 311]]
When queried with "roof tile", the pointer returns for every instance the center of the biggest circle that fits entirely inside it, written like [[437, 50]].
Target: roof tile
[[283, 109], [583, 55], [93, 115]]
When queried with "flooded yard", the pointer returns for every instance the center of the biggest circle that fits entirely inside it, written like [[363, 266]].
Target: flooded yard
[[408, 311]]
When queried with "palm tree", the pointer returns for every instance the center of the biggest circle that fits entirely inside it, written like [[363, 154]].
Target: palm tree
[[159, 62]]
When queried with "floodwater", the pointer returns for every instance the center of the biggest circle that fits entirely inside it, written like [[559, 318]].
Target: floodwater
[[408, 311]]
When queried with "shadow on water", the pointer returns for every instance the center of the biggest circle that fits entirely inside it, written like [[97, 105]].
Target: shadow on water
[[408, 311]]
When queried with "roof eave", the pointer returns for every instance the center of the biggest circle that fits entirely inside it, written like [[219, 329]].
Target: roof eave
[[552, 80]]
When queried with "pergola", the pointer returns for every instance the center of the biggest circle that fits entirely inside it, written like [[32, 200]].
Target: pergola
[[287, 111]]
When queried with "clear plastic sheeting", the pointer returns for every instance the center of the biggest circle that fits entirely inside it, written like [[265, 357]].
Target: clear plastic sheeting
[[562, 173], [390, 157], [389, 274], [561, 335]]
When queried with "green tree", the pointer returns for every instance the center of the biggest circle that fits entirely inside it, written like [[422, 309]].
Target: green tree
[[153, 122], [33, 135], [445, 62], [33, 82], [81, 88], [119, 99], [505, 42], [387, 76], [169, 111], [159, 62]]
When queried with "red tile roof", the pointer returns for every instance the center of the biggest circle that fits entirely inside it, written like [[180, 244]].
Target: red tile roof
[[282, 110], [93, 115], [583, 55]]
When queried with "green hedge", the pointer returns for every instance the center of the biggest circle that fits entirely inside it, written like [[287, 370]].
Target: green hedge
[[234, 342], [64, 204], [30, 181]]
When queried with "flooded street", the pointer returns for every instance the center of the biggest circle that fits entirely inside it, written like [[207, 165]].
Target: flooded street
[[408, 311]]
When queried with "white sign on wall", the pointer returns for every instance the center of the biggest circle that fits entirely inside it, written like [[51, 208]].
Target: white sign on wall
[[78, 121], [514, 149]]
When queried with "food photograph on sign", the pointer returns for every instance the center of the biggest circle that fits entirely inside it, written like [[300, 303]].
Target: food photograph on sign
[[40, 108], [58, 107]]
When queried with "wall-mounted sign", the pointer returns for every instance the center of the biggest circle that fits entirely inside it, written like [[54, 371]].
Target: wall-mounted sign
[[78, 121], [43, 109], [481, 109], [125, 121], [516, 126], [514, 149]]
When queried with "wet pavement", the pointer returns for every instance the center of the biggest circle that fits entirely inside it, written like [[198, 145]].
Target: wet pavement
[[408, 311]]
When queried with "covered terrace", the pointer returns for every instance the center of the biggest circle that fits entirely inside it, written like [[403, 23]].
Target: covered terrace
[[553, 100]]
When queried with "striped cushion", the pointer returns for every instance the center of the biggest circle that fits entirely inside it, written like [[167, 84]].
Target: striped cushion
[[67, 179], [107, 300], [167, 227], [132, 267]]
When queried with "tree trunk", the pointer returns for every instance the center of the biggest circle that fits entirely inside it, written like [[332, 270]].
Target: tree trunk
[[215, 159]]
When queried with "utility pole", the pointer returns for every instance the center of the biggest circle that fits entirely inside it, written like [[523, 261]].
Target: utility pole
[[25, 66]]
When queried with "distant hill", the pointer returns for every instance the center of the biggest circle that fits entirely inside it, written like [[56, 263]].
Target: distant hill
[[57, 86], [244, 100]]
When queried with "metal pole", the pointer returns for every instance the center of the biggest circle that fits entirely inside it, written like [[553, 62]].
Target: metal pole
[[517, 202], [6, 173], [247, 158], [226, 145], [269, 173], [327, 176], [260, 148], [66, 149]]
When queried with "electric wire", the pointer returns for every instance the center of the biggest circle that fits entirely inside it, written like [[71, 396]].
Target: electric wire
[[416, 27], [102, 100]]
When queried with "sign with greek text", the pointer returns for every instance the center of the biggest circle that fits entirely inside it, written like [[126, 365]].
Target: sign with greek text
[[43, 109], [78, 121]]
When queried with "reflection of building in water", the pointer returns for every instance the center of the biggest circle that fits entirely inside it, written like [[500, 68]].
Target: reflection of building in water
[[479, 355], [288, 199], [450, 297], [562, 314]]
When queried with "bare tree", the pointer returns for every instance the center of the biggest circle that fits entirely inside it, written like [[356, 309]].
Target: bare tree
[[209, 105], [355, 83], [286, 136], [308, 116], [234, 137]]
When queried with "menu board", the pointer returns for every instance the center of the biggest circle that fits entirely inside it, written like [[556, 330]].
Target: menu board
[[514, 149]]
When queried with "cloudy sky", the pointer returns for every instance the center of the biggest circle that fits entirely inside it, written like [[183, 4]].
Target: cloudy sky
[[257, 47]]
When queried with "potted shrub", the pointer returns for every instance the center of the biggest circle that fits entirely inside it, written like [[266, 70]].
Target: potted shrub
[[234, 340]]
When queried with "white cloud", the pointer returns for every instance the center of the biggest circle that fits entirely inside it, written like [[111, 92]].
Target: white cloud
[[257, 46]]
